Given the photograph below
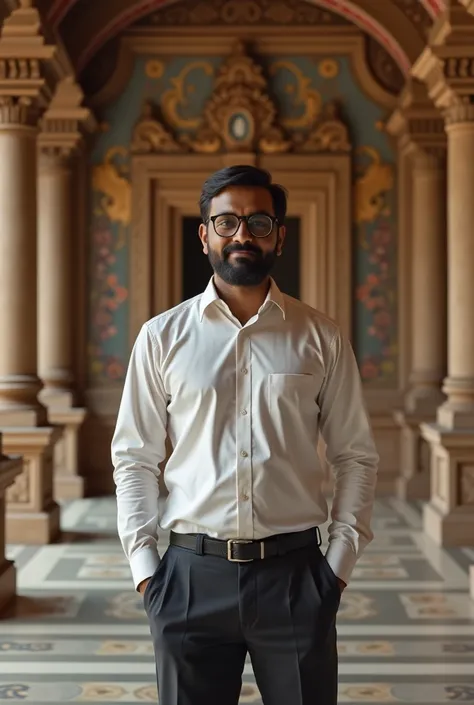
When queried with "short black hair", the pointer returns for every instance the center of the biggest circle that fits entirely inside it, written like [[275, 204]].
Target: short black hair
[[242, 175]]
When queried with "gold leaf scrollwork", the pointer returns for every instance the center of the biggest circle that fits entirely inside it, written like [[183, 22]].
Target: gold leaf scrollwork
[[240, 115], [329, 134], [149, 135], [371, 187], [305, 97], [115, 191], [176, 98]]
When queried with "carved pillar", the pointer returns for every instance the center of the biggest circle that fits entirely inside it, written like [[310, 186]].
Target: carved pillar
[[10, 469], [24, 91], [59, 141], [419, 128], [446, 66]]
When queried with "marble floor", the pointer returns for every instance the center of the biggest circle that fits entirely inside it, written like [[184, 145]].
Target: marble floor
[[78, 632]]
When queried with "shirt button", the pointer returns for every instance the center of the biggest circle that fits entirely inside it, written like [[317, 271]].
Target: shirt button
[[244, 371], [243, 453], [245, 498], [244, 412]]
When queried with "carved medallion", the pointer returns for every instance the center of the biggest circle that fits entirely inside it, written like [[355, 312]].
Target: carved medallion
[[240, 115]]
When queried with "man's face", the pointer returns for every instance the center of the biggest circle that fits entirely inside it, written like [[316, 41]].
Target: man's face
[[242, 259]]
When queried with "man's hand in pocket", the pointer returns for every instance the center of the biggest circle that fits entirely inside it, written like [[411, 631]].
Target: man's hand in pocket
[[142, 586]]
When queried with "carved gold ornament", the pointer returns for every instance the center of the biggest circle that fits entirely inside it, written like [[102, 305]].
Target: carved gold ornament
[[240, 115], [154, 68], [115, 190], [329, 134], [304, 96], [149, 135], [328, 68], [371, 187], [174, 99]]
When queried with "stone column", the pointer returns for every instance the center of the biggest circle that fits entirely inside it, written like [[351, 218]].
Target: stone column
[[19, 383], [422, 142], [10, 469], [55, 295], [446, 66], [31, 511], [59, 142]]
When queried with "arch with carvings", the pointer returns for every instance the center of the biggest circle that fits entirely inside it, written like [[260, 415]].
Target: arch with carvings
[[397, 25]]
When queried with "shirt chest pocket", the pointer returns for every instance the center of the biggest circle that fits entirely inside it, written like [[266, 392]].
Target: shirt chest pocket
[[292, 393]]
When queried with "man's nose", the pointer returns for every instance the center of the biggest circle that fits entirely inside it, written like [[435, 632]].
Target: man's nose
[[243, 234]]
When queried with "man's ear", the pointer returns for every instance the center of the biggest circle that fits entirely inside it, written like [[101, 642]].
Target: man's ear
[[281, 239], [203, 238]]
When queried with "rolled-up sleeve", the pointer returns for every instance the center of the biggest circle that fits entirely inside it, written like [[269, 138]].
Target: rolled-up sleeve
[[351, 451], [138, 446]]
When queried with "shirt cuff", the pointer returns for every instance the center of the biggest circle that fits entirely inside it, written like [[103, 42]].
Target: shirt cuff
[[342, 559], [143, 564]]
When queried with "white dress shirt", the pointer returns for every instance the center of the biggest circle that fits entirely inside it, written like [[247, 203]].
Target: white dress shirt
[[243, 406]]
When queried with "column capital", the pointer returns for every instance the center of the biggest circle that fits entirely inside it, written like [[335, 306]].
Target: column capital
[[30, 67], [418, 124], [446, 66], [65, 122]]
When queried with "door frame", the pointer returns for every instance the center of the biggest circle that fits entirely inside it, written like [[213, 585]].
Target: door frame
[[167, 187]]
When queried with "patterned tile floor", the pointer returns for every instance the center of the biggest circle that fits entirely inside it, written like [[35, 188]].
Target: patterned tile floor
[[79, 633]]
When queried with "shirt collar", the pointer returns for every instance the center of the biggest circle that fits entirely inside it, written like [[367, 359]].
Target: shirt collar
[[210, 296]]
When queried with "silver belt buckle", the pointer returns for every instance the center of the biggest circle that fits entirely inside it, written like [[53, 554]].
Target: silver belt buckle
[[230, 542]]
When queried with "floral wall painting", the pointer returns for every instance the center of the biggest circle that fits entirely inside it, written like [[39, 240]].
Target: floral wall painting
[[111, 204], [179, 88], [375, 275]]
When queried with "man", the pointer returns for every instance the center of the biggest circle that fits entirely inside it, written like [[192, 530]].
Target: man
[[243, 379]]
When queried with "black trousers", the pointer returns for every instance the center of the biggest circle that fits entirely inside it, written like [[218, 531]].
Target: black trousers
[[206, 614]]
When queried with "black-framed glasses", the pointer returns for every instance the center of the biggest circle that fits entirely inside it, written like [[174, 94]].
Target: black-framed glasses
[[258, 224]]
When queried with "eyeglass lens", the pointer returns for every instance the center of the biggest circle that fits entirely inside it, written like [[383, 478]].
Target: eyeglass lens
[[259, 225]]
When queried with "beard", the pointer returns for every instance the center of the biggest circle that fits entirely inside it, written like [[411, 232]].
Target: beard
[[242, 271]]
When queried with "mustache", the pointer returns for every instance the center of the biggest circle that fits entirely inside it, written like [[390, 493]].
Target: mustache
[[241, 248]]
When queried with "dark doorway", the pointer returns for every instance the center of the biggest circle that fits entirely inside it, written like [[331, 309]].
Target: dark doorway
[[197, 270]]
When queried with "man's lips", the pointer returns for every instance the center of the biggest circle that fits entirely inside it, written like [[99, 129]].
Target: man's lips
[[243, 253]]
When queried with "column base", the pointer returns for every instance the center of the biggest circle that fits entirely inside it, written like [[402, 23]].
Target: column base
[[453, 529], [32, 514], [387, 440], [449, 516], [34, 528], [68, 487], [68, 484], [415, 480], [7, 584]]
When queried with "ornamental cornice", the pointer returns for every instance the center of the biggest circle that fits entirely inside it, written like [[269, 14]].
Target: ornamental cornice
[[446, 66], [416, 123]]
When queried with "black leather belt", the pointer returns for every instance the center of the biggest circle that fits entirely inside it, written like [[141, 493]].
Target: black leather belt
[[246, 550]]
